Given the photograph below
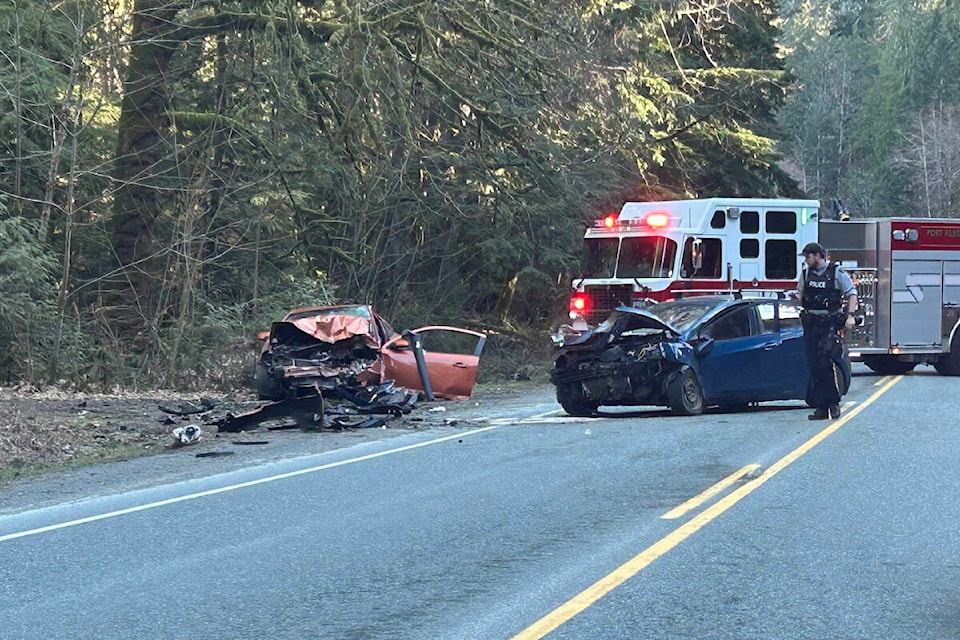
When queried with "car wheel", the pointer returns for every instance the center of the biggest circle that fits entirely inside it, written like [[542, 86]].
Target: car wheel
[[949, 363], [844, 374], [685, 394], [574, 401], [268, 388], [888, 365]]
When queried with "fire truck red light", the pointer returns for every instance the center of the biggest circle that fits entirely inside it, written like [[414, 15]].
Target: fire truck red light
[[578, 303], [657, 220], [609, 222]]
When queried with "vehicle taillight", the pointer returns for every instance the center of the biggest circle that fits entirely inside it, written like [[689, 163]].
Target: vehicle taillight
[[657, 220], [579, 303]]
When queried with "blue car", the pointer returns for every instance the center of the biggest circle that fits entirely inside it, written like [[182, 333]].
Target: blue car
[[688, 355]]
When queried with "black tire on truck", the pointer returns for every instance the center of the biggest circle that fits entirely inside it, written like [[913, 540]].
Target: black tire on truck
[[949, 363], [574, 401], [268, 387], [685, 394], [887, 365]]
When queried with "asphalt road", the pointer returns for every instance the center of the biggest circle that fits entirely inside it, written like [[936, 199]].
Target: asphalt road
[[482, 533]]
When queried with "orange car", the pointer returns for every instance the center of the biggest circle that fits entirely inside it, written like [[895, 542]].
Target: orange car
[[339, 349]]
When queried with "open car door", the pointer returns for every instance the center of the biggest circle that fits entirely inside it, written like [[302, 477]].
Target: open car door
[[452, 356]]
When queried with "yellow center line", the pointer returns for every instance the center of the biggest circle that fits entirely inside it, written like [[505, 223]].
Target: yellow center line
[[882, 381], [700, 498], [624, 572]]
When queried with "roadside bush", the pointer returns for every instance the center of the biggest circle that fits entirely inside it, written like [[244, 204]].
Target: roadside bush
[[28, 310], [219, 351]]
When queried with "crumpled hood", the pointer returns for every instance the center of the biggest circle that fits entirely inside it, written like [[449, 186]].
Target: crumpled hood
[[626, 319], [336, 328], [631, 319]]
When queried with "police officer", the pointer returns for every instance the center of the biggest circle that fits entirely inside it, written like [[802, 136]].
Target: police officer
[[822, 292]]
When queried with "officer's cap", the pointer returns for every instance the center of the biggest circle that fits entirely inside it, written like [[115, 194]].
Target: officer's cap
[[812, 248]]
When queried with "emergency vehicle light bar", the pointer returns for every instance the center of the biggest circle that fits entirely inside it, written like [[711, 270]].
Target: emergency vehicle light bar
[[655, 220]]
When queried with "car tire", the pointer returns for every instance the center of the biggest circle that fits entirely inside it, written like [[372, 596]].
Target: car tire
[[845, 371], [949, 363], [887, 365], [685, 393], [574, 401], [268, 388]]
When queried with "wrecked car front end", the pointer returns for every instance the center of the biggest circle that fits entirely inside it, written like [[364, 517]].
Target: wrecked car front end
[[320, 350], [630, 359], [349, 352]]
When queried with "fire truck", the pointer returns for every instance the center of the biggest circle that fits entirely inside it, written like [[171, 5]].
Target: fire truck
[[907, 270], [907, 273]]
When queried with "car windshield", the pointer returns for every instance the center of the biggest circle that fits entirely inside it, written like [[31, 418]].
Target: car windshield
[[646, 257], [638, 257], [683, 314], [359, 311], [600, 257]]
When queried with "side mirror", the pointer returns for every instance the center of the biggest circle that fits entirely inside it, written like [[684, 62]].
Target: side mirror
[[697, 254], [704, 345], [401, 344]]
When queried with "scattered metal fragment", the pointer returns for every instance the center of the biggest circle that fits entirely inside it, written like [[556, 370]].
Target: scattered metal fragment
[[189, 408], [283, 427], [189, 434], [215, 454], [247, 442], [303, 410], [370, 423]]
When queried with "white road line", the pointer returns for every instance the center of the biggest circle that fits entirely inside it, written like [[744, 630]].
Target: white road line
[[234, 487]]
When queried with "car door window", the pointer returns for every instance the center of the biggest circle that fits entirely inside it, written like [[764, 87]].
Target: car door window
[[731, 325], [442, 340], [789, 315], [768, 317]]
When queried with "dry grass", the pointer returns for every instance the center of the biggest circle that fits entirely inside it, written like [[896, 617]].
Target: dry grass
[[54, 428]]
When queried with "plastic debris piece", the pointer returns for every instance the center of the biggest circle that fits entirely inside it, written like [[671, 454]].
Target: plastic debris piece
[[186, 435]]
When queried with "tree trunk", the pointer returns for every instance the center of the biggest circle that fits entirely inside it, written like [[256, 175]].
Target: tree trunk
[[141, 148], [502, 311]]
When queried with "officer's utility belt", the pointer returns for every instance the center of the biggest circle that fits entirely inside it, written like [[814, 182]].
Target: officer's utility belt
[[817, 312]]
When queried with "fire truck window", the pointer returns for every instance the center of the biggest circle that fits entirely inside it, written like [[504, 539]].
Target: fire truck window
[[647, 257], [749, 248], [750, 222], [781, 222], [600, 257], [781, 259], [719, 220], [732, 325], [711, 252]]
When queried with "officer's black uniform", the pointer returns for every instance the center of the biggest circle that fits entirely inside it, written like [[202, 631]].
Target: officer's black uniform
[[822, 302]]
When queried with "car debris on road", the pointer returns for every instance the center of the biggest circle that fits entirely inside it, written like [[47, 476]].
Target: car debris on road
[[187, 435], [333, 366], [342, 351]]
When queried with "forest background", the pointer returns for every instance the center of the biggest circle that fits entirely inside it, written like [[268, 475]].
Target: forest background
[[175, 174]]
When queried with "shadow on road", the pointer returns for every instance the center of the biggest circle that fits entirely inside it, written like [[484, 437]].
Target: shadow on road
[[666, 413]]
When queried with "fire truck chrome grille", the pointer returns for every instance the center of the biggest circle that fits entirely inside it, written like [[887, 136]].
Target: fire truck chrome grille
[[604, 299]]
